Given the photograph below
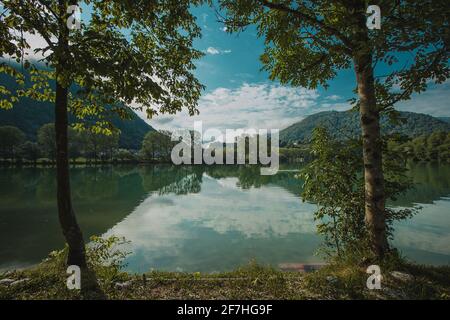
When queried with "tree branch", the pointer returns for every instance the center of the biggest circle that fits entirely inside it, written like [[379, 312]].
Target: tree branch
[[410, 88], [318, 23]]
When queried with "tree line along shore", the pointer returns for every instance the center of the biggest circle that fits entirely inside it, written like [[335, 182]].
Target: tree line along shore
[[88, 147]]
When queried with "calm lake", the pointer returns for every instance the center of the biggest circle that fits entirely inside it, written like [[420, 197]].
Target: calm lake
[[200, 218]]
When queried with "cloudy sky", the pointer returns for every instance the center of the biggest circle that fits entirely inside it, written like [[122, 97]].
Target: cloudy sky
[[239, 95]]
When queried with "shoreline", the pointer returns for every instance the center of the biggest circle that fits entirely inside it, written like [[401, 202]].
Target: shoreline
[[335, 281]]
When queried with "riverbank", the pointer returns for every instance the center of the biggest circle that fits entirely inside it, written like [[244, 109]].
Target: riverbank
[[252, 282]]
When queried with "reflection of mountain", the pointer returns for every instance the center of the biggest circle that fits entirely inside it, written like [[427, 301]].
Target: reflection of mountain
[[431, 183], [103, 196], [29, 228], [197, 217]]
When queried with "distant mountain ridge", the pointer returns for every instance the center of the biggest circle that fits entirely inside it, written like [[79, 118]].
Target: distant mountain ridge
[[29, 115], [346, 124]]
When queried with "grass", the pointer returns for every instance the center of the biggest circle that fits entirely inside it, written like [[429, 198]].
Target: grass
[[335, 281], [343, 278], [347, 280], [47, 281]]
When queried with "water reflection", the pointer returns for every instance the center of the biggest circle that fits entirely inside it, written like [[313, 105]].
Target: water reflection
[[199, 218], [221, 225]]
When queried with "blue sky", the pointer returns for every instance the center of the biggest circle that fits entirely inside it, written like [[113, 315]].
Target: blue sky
[[239, 95]]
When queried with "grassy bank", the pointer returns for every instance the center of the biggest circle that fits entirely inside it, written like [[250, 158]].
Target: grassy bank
[[335, 281]]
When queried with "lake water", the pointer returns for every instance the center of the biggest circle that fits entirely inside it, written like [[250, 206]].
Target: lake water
[[199, 218]]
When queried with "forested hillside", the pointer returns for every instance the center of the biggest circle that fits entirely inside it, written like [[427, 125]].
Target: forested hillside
[[346, 124], [29, 115]]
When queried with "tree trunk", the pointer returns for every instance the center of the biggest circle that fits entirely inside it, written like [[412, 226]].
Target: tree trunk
[[372, 146], [67, 219]]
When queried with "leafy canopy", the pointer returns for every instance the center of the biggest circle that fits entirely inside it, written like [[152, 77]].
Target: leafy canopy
[[308, 42], [126, 53], [334, 180]]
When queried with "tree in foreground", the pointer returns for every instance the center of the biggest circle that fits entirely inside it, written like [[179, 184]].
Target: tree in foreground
[[307, 42], [333, 181], [127, 53]]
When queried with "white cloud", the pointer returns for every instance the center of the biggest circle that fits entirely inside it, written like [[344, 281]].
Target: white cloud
[[272, 106], [35, 41], [258, 106], [434, 101], [214, 51], [334, 97]]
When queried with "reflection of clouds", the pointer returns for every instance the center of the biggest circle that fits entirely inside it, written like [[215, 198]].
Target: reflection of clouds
[[169, 230], [428, 230], [228, 183], [255, 213], [251, 212], [160, 225]]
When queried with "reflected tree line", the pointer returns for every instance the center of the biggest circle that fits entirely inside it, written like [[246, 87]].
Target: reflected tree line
[[107, 182], [105, 195]]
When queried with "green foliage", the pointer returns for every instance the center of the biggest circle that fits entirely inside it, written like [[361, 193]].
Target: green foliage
[[30, 151], [308, 42], [339, 280], [334, 180], [105, 256], [294, 154], [433, 147], [94, 145], [10, 140], [46, 139], [124, 155], [87, 143], [29, 115], [157, 146], [150, 67]]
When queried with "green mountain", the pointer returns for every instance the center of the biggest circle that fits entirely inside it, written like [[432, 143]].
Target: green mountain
[[29, 115], [346, 124]]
